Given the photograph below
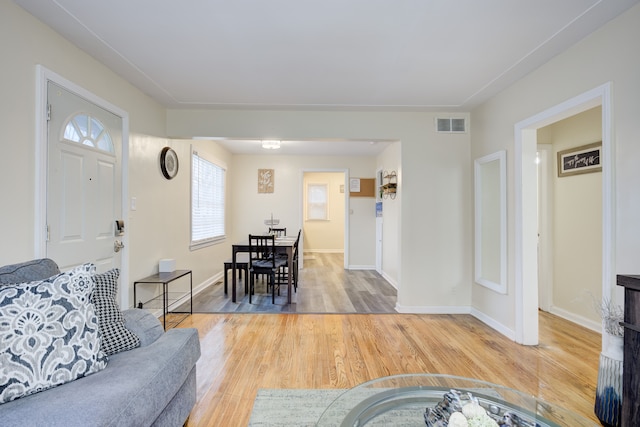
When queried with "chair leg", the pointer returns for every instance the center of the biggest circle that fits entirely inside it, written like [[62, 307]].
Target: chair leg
[[250, 287], [273, 288], [226, 280], [295, 277]]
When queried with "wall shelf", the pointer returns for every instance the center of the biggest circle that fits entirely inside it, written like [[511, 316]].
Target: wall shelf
[[389, 185]]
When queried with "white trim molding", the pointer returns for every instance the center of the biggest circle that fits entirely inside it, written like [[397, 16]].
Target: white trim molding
[[526, 262]]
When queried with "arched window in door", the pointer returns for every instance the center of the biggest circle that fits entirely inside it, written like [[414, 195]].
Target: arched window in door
[[89, 131]]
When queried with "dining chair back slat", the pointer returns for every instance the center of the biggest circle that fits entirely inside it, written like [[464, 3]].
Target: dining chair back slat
[[278, 232], [263, 260]]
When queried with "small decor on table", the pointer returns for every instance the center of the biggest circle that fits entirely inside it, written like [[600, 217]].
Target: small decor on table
[[270, 223], [458, 409]]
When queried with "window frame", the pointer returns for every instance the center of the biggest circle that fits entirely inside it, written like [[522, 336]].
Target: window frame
[[219, 168], [308, 206]]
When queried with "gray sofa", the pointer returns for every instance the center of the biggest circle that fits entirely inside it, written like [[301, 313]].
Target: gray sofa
[[153, 384]]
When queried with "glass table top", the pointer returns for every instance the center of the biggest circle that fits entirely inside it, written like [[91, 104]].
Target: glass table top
[[402, 400]]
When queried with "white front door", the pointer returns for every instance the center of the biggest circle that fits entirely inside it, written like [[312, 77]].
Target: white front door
[[84, 191]]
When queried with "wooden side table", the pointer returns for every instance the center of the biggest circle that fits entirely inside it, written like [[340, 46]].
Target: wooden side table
[[165, 279]]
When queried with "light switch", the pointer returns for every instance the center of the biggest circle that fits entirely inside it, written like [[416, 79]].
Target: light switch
[[133, 203]]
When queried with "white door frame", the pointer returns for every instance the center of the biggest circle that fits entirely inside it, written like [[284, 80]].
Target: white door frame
[[379, 224], [526, 263], [44, 75], [545, 226], [346, 209]]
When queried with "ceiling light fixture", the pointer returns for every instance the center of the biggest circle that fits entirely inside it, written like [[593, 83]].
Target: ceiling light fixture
[[271, 144]]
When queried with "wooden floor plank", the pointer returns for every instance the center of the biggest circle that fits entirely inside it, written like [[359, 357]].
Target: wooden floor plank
[[244, 352], [324, 287]]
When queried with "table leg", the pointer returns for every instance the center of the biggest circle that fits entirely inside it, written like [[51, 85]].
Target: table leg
[[233, 278], [289, 271], [165, 303]]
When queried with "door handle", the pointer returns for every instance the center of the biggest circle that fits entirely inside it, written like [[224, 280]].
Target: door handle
[[117, 245]]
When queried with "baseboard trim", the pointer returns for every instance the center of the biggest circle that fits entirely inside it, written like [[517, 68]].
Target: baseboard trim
[[362, 267], [390, 280], [494, 324], [577, 319], [196, 290]]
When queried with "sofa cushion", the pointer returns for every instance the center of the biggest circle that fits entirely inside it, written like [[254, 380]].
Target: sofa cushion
[[133, 390], [48, 333], [115, 337], [38, 269], [145, 325]]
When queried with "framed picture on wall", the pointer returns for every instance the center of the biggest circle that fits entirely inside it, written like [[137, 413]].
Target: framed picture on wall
[[266, 180], [578, 160]]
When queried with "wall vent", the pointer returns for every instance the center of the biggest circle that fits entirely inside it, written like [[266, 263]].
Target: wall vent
[[451, 125]]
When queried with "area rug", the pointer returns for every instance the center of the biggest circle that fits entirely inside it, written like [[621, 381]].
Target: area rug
[[303, 408], [290, 407]]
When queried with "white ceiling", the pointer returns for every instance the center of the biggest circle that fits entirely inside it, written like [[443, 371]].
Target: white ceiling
[[308, 147], [402, 55]]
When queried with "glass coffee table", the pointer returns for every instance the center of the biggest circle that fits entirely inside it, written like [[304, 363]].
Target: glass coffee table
[[402, 400]]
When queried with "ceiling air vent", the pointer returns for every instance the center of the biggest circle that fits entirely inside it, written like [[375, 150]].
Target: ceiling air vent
[[451, 125]]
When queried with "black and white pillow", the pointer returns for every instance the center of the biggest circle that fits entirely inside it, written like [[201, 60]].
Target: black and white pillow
[[115, 336], [48, 333]]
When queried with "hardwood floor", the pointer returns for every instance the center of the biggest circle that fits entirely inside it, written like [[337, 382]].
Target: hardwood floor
[[324, 286], [242, 352]]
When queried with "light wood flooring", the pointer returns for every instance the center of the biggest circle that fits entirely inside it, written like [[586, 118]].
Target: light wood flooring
[[243, 352], [324, 286]]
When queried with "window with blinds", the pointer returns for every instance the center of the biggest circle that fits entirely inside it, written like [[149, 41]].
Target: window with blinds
[[207, 201], [317, 202]]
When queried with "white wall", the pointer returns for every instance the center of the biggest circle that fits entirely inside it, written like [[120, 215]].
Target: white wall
[[435, 205], [605, 56], [159, 226], [25, 43]]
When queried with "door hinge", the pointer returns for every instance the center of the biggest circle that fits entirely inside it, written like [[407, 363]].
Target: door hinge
[[48, 232], [48, 112]]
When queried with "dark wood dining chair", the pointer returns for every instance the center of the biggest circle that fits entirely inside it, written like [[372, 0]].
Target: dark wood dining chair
[[263, 260], [294, 267], [278, 232]]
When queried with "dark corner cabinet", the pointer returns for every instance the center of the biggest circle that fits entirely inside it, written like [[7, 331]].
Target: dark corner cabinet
[[631, 364]]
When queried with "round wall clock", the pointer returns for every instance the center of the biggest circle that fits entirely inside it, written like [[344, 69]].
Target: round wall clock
[[168, 162]]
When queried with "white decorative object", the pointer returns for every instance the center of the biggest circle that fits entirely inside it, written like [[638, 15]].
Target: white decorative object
[[167, 265]]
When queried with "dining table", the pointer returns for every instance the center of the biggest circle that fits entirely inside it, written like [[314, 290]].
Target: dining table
[[283, 245]]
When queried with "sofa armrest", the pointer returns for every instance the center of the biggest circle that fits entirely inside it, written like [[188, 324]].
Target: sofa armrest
[[144, 324]]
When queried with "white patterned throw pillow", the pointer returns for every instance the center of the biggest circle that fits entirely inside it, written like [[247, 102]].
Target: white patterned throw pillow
[[48, 333], [115, 336]]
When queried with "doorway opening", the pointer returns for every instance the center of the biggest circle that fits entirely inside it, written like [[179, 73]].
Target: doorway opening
[[325, 213], [526, 205]]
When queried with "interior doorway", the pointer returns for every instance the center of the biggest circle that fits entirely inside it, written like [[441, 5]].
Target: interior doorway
[[325, 213], [526, 205], [570, 223]]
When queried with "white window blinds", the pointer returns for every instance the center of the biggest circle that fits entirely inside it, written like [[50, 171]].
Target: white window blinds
[[317, 199], [207, 201]]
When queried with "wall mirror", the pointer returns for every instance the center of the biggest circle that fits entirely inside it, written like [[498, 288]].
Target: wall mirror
[[491, 221]]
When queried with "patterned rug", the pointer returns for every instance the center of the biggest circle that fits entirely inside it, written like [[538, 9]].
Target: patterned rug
[[290, 408], [303, 408]]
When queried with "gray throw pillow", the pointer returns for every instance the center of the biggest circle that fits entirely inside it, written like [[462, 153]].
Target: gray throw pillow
[[115, 336], [48, 333]]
